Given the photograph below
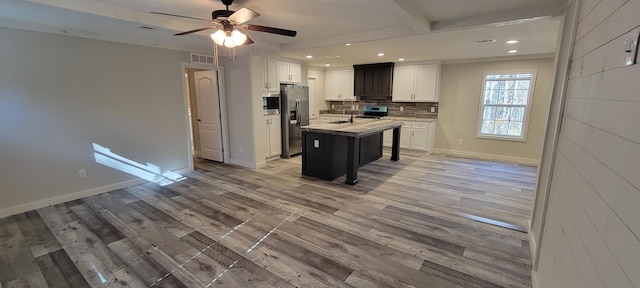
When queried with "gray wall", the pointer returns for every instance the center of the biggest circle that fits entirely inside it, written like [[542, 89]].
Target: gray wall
[[60, 94], [460, 92]]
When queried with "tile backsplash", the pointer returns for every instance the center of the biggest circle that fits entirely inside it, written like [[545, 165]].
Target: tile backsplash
[[410, 109]]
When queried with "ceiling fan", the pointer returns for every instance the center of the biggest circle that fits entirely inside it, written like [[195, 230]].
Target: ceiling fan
[[229, 23]]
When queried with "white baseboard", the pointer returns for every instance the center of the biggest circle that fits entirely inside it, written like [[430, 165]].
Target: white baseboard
[[533, 247], [5, 212], [534, 279], [243, 163], [183, 170], [518, 160]]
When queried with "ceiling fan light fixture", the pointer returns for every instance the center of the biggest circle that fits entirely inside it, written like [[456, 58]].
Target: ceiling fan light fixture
[[238, 37], [228, 42], [218, 37]]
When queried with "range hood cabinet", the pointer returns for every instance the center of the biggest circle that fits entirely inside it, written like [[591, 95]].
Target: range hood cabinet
[[373, 79]]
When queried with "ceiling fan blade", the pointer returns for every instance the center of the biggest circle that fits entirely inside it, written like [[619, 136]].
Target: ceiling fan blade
[[243, 15], [188, 17], [248, 41], [195, 30], [272, 30]]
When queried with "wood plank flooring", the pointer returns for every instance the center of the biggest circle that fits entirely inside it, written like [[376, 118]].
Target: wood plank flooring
[[425, 221]]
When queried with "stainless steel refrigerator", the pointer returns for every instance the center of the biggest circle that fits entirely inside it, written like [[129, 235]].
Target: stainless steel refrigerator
[[294, 101]]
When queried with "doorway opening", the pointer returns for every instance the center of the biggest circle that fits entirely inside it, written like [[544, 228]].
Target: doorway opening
[[205, 107]]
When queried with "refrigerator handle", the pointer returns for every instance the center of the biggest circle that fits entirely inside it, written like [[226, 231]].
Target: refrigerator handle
[[298, 116]]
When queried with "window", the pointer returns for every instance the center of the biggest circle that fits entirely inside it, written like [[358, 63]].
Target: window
[[505, 105]]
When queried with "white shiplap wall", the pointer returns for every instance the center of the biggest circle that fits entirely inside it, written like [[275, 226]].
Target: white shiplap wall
[[592, 231]]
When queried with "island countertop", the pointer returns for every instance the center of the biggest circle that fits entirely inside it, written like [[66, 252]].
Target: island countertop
[[358, 129]]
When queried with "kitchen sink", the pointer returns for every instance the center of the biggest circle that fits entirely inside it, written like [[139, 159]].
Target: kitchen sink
[[339, 122]]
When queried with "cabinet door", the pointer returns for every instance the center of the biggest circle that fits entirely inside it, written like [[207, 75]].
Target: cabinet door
[[275, 135], [295, 72], [431, 137], [332, 85], [387, 138], [405, 136], [283, 72], [272, 76], [386, 74], [426, 83], [419, 139], [403, 84], [346, 84], [359, 76], [267, 134]]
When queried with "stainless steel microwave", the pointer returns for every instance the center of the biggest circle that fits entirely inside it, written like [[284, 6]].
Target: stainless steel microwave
[[271, 102]]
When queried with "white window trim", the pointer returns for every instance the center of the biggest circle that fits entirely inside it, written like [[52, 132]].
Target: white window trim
[[527, 111]]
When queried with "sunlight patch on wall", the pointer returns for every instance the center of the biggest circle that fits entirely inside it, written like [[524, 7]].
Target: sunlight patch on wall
[[149, 172]]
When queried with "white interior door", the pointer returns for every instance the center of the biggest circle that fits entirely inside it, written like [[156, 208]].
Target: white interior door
[[208, 101]]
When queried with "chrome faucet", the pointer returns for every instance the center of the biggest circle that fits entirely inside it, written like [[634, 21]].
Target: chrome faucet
[[351, 108]]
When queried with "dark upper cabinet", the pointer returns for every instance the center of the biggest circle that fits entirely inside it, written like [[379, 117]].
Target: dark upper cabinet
[[373, 79]]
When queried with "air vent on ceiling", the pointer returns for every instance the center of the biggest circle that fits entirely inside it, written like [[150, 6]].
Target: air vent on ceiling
[[201, 58], [486, 41]]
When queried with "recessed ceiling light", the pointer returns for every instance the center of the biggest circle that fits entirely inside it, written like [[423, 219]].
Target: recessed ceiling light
[[512, 42], [327, 64], [348, 44], [400, 59], [513, 51], [380, 54], [486, 41], [309, 56]]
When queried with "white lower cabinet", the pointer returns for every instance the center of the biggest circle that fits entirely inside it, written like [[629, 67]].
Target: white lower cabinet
[[273, 132], [414, 135]]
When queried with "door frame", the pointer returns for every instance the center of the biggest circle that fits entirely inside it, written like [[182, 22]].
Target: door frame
[[223, 108]]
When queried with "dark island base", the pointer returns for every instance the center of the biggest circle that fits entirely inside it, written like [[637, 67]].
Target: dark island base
[[328, 157]]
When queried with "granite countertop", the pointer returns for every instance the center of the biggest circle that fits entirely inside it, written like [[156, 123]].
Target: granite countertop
[[358, 129], [414, 119]]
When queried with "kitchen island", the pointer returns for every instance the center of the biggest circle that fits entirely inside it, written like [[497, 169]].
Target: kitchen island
[[329, 150]]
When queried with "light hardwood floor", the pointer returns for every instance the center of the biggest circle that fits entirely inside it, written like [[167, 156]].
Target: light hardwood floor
[[406, 224]]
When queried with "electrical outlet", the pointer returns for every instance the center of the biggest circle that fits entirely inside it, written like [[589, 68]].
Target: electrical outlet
[[433, 109], [401, 108], [316, 143], [357, 106], [460, 141], [333, 106], [631, 47], [82, 173]]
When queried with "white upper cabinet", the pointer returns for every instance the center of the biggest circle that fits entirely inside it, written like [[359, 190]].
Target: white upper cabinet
[[403, 83], [338, 85], [289, 72], [271, 84], [416, 83]]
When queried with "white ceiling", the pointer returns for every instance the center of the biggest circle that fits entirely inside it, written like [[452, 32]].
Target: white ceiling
[[417, 30]]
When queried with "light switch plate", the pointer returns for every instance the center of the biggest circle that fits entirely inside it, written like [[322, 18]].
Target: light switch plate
[[631, 47], [316, 143]]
